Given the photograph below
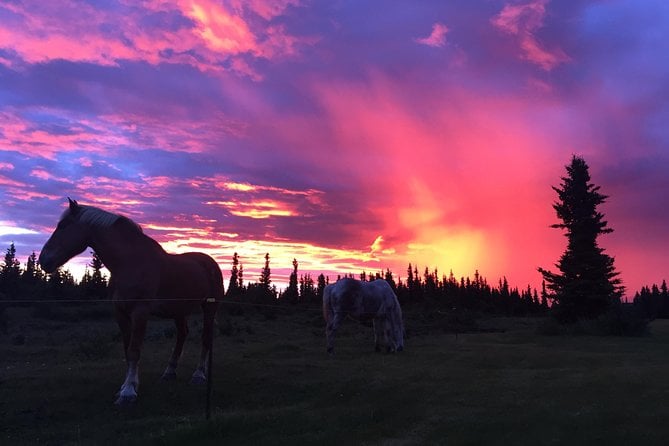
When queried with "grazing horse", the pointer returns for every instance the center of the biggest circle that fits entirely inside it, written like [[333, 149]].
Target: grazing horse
[[364, 301], [145, 280]]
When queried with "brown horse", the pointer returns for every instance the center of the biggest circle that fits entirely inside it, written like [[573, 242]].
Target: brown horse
[[145, 280]]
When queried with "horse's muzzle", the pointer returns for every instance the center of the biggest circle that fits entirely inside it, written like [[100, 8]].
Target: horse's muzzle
[[47, 263]]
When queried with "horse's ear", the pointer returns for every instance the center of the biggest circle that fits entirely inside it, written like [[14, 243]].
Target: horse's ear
[[74, 206]]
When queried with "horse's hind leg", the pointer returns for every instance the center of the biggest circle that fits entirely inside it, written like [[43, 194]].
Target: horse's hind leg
[[170, 372], [378, 333], [388, 335], [209, 313], [331, 330]]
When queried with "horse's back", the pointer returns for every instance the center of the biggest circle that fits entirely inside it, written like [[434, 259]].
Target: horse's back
[[381, 289], [358, 298], [378, 294], [340, 297], [199, 267]]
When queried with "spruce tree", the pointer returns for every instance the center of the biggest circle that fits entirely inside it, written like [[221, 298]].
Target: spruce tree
[[30, 273], [10, 271], [587, 283], [233, 285], [389, 278], [322, 282], [240, 278], [97, 285], [291, 293], [307, 289], [265, 276]]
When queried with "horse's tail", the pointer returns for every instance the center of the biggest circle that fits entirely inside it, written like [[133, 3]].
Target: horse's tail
[[217, 286], [399, 323], [394, 317], [214, 275]]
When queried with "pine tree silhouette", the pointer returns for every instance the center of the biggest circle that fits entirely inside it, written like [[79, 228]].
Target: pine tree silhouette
[[587, 283]]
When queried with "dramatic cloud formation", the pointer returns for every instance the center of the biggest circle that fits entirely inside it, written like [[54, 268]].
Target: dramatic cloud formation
[[348, 136], [523, 21]]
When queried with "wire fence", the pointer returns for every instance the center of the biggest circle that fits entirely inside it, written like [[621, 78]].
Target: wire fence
[[413, 328]]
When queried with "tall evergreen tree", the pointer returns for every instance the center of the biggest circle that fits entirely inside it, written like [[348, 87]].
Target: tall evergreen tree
[[587, 283], [265, 275], [291, 293], [307, 289], [240, 278], [664, 303], [33, 272], [322, 282], [233, 285], [33, 279], [97, 282], [388, 276], [10, 271]]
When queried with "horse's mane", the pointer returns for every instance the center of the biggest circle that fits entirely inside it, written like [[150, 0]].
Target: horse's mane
[[99, 218]]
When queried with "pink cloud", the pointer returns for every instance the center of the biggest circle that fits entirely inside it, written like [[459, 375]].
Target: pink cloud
[[522, 21], [5, 181], [21, 191], [85, 162], [219, 37], [46, 176], [22, 135], [267, 9], [437, 37], [220, 30]]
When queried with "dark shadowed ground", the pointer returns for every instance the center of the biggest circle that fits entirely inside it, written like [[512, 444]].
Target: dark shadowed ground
[[275, 385]]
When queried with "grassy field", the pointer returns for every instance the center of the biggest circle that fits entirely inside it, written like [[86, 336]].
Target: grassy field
[[274, 385]]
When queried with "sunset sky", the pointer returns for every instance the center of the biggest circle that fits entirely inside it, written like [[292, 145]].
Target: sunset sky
[[349, 135]]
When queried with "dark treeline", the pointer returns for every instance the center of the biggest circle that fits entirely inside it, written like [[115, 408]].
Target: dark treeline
[[32, 283], [653, 301], [427, 289]]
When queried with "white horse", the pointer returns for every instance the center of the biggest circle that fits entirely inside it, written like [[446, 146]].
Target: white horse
[[364, 301]]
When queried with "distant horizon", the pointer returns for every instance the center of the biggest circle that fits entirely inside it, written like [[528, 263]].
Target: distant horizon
[[348, 136], [77, 267]]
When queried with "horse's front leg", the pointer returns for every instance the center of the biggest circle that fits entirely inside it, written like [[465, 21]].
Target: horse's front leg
[[209, 314], [125, 325], [170, 372], [128, 392]]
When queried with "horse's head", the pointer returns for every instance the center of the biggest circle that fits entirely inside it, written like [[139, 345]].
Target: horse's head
[[69, 239]]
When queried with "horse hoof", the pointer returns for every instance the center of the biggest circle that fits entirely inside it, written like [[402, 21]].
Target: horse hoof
[[125, 401], [400, 348], [377, 348], [198, 380], [331, 351], [168, 376]]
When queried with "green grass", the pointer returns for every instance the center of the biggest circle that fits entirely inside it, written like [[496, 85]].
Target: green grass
[[274, 385]]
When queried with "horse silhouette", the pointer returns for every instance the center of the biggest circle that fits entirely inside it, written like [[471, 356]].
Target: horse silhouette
[[145, 280]]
